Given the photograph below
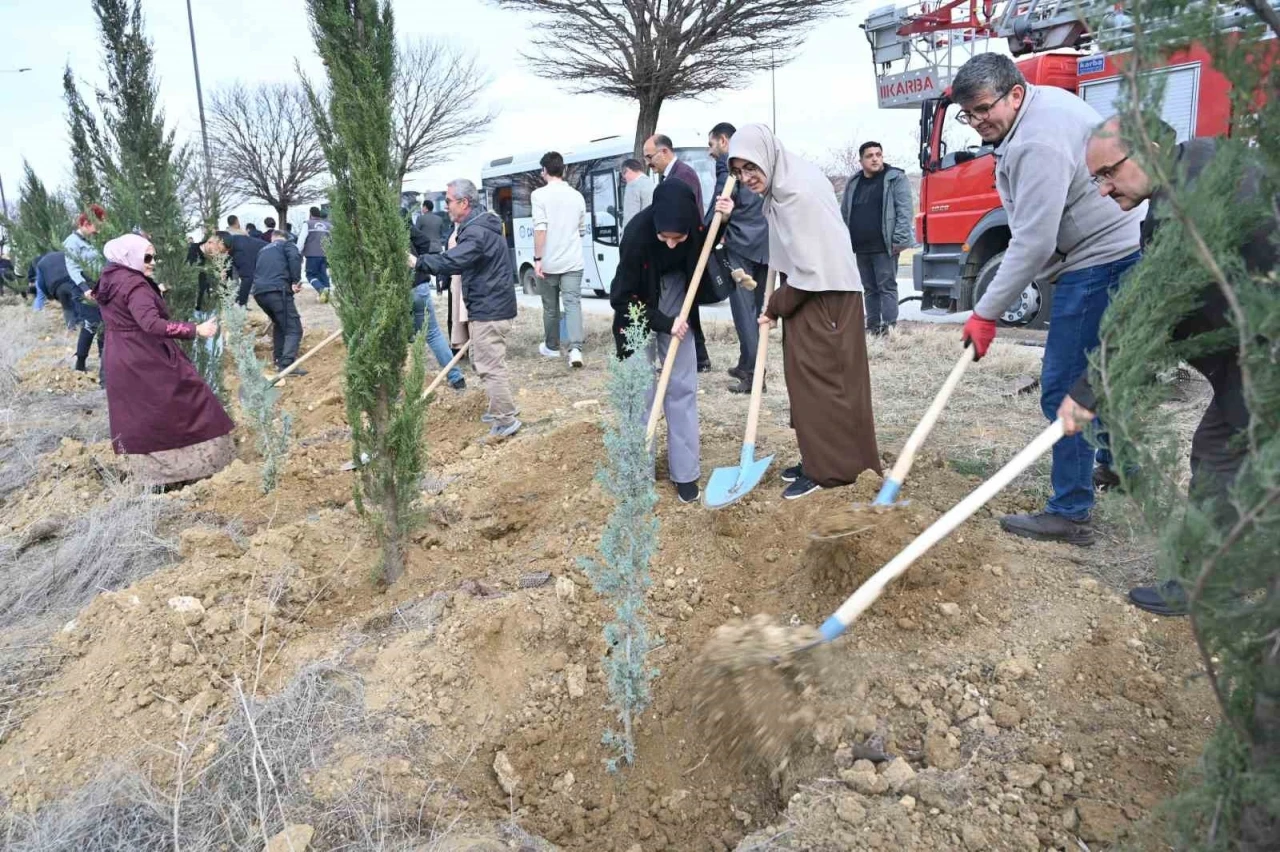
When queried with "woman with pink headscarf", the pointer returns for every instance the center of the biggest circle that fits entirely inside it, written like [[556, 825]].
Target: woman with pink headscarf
[[164, 418]]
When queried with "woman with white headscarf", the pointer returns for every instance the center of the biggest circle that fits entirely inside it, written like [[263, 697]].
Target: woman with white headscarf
[[820, 299], [164, 418]]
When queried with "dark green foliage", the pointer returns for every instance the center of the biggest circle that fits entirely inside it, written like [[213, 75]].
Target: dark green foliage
[[1223, 550], [629, 541], [42, 220], [367, 253], [85, 142]]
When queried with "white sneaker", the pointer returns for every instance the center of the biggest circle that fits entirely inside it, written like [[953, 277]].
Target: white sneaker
[[575, 357], [547, 353]]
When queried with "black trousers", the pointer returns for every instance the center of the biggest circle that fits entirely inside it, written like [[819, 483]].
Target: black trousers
[[286, 325], [242, 295], [1216, 454], [699, 342]]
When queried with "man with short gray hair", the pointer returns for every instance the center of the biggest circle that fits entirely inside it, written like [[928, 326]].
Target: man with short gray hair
[[488, 290], [1061, 231]]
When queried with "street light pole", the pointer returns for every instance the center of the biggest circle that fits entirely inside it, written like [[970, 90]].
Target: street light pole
[[204, 129], [773, 84]]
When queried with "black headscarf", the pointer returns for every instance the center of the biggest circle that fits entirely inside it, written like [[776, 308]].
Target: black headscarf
[[675, 211]]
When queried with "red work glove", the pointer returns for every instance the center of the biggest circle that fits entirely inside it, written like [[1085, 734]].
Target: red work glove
[[979, 332]]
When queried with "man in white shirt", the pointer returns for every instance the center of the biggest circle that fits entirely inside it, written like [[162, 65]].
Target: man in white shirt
[[638, 194], [559, 222]]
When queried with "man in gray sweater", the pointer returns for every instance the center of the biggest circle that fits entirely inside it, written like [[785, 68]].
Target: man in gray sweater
[[1063, 232]]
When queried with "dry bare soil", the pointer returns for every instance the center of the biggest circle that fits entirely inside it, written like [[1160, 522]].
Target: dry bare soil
[[1002, 695]]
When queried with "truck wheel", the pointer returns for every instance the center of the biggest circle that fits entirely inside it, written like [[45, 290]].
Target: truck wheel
[[528, 283], [1030, 310]]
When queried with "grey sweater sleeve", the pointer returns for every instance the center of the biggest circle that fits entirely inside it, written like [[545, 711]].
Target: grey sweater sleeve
[[1034, 221]]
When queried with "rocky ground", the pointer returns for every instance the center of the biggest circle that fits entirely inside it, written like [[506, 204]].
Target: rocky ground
[[1002, 695]]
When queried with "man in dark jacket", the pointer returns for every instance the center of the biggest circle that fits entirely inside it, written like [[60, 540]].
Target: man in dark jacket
[[269, 225], [1216, 455], [315, 250], [488, 290], [660, 154], [55, 279], [746, 241], [434, 229], [277, 275], [424, 306], [244, 249], [877, 209]]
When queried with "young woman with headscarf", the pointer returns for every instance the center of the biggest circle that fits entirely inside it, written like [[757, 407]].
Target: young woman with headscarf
[[164, 419], [656, 262], [824, 351]]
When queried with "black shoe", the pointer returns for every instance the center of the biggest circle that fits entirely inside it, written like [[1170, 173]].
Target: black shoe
[[688, 492], [801, 487], [738, 373], [1046, 527], [297, 372], [744, 386], [80, 367], [1168, 598], [1105, 479], [459, 385], [875, 330], [791, 474], [704, 366]]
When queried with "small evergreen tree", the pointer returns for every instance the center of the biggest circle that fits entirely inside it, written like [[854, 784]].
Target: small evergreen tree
[[629, 541], [86, 142], [42, 219], [257, 399], [367, 251], [1222, 551]]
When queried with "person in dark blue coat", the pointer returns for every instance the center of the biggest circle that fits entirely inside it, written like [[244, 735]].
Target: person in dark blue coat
[[276, 277]]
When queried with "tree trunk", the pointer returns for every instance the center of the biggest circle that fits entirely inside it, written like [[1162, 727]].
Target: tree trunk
[[392, 550], [1259, 829], [282, 216], [647, 120]]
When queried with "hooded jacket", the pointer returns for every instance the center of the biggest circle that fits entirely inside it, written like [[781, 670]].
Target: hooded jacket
[[482, 259], [897, 209]]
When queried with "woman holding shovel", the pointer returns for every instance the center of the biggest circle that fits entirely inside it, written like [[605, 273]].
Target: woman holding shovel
[[824, 347], [656, 264]]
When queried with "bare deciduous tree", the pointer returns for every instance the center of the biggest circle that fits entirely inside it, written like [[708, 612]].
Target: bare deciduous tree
[[653, 51], [436, 108], [265, 147]]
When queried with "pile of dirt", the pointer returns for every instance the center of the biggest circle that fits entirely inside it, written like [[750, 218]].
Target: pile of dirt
[[989, 699]]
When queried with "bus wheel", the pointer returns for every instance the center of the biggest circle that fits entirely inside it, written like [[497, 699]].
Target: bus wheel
[[1030, 310], [600, 294], [528, 283]]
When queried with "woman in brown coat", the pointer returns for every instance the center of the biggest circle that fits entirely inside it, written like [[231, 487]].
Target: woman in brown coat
[[824, 351]]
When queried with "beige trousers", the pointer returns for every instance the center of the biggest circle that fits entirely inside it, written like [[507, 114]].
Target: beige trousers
[[489, 355]]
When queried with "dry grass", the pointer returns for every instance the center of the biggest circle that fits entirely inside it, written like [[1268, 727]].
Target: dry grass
[[20, 336], [110, 546]]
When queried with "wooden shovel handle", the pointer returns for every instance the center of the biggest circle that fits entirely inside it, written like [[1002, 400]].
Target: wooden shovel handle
[[300, 361], [762, 357], [908, 456], [689, 298], [445, 370]]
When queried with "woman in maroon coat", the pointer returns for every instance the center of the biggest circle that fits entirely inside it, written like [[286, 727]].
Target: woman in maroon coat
[[164, 419]]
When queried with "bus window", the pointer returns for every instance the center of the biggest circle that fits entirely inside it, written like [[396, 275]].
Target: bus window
[[704, 166], [604, 208], [502, 206]]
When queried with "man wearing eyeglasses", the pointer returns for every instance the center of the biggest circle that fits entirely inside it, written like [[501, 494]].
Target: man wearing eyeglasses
[[1061, 232], [1216, 452]]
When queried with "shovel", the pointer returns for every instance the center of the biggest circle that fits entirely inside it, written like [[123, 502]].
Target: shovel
[[689, 297], [741, 663], [843, 523], [729, 484], [300, 361], [445, 371]]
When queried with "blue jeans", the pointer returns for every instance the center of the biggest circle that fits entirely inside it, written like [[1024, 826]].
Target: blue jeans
[[1080, 298], [424, 307], [318, 273]]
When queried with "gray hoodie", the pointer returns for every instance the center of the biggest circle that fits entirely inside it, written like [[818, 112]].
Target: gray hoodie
[[1059, 222]]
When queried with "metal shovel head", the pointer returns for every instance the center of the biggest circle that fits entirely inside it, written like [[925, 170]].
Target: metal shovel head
[[364, 460], [273, 395], [729, 484]]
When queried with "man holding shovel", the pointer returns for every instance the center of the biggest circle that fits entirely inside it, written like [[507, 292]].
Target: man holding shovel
[[1216, 455], [1061, 231]]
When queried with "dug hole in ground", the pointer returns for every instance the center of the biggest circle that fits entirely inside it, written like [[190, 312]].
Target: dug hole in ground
[[219, 660]]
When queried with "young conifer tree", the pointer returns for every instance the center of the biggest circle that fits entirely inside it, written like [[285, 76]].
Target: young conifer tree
[[629, 541], [1221, 549], [367, 252], [42, 216], [271, 427]]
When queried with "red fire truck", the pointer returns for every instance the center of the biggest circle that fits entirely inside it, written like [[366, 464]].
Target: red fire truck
[[960, 225]]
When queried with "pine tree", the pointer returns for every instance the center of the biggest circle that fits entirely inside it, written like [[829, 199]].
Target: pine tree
[[258, 400], [86, 144], [1223, 552], [42, 219], [367, 252], [629, 540]]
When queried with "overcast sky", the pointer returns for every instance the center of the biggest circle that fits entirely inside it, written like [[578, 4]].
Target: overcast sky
[[825, 99]]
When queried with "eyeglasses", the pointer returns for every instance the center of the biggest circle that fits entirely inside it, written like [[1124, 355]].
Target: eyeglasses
[[449, 201], [747, 169], [148, 258], [979, 113], [1106, 174]]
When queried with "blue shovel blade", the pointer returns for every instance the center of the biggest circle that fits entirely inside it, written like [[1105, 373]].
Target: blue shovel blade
[[729, 484]]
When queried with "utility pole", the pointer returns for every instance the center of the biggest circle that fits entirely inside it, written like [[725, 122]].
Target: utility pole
[[773, 84], [4, 212], [204, 130]]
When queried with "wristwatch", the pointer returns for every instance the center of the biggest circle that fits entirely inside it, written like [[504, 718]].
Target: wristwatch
[[537, 260]]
